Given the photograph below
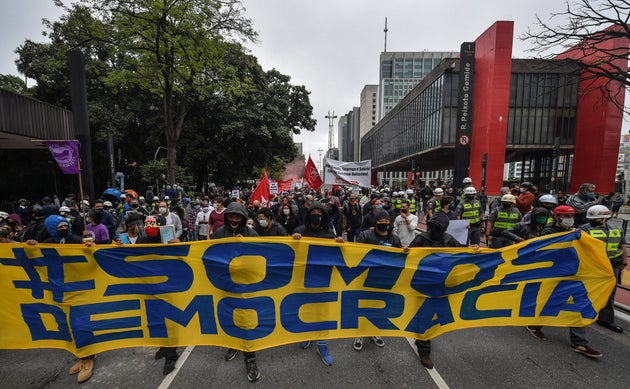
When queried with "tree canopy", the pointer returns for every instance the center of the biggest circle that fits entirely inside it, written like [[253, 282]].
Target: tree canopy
[[174, 73]]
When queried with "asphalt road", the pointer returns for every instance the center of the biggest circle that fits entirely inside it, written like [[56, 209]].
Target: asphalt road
[[501, 357]]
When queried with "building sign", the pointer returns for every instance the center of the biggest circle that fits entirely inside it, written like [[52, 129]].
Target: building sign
[[464, 111]]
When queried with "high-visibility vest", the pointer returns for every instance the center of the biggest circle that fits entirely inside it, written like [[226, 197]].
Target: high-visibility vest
[[397, 203], [436, 205], [471, 211], [612, 239], [412, 205], [504, 221]]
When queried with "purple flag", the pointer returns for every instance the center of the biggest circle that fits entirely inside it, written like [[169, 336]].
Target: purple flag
[[66, 153]]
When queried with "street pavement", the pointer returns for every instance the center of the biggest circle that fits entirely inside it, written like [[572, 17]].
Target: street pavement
[[490, 357]]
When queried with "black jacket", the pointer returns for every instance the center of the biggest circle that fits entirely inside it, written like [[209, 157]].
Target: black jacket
[[321, 231], [226, 230], [372, 237]]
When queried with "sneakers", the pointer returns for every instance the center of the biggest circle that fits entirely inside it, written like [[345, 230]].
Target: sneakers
[[358, 344], [611, 326], [586, 350], [305, 345], [230, 354], [536, 333], [253, 374], [322, 351], [426, 362], [169, 364], [378, 341]]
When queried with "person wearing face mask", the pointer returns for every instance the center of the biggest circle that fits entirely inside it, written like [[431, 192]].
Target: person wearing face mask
[[14, 225], [106, 218], [193, 227], [405, 224], [216, 216], [171, 218], [528, 229], [564, 219], [353, 216], [581, 201], [525, 198], [317, 226], [369, 220], [548, 202], [60, 232], [203, 221], [502, 218], [287, 219], [617, 253], [381, 235], [266, 225], [470, 209], [236, 226], [435, 236]]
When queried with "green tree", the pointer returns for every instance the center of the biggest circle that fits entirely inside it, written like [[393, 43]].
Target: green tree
[[14, 84]]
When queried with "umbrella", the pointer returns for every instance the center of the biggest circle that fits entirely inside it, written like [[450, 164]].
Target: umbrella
[[132, 192], [112, 194]]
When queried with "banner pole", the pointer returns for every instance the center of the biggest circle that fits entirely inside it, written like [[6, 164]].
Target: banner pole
[[81, 192]]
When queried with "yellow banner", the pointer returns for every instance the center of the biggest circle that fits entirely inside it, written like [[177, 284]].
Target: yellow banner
[[256, 293]]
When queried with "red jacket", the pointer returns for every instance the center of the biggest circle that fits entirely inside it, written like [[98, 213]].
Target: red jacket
[[524, 202]]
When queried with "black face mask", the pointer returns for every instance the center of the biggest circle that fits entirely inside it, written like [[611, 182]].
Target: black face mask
[[315, 219], [63, 233], [470, 197], [382, 227], [506, 205], [596, 223]]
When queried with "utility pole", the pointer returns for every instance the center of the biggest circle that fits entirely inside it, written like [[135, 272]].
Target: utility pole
[[331, 133], [385, 31]]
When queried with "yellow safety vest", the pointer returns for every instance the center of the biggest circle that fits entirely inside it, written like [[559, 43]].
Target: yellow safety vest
[[612, 240], [412, 205], [504, 221], [471, 211]]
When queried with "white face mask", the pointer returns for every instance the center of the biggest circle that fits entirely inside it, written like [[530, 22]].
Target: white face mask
[[163, 210], [263, 223], [567, 223], [286, 211]]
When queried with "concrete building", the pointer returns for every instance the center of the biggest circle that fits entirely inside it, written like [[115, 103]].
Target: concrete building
[[369, 109]]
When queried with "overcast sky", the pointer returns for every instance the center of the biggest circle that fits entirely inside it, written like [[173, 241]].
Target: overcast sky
[[330, 46]]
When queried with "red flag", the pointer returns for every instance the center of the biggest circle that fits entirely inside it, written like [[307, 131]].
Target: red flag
[[311, 175], [261, 193]]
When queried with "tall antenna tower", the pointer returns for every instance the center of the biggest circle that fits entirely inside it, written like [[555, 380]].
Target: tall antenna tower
[[331, 133], [385, 31]]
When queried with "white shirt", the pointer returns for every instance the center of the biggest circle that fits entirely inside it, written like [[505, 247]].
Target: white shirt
[[406, 231]]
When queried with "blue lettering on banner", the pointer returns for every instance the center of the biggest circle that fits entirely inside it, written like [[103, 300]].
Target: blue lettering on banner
[[528, 302], [383, 267], [83, 327], [434, 311], [290, 308], [278, 257], [564, 263], [469, 310], [159, 310], [32, 315], [434, 269], [116, 262], [53, 262], [563, 293], [393, 307], [264, 307]]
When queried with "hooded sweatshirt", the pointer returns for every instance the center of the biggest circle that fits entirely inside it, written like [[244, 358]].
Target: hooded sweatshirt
[[309, 230], [226, 230], [51, 224]]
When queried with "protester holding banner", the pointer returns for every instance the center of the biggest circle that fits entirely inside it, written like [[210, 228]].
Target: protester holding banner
[[61, 233], [616, 251], [266, 225], [529, 229], [236, 226], [435, 236], [316, 226], [380, 235], [564, 218]]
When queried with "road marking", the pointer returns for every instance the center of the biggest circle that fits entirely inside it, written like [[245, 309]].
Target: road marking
[[437, 378], [180, 362]]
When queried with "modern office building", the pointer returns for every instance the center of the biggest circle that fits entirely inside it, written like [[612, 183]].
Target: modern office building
[[369, 109], [545, 114], [400, 72], [349, 139]]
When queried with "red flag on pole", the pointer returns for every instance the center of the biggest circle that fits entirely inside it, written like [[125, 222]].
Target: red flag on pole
[[311, 175], [66, 153], [261, 193]]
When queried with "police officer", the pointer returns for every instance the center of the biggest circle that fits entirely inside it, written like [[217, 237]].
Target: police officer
[[617, 253], [433, 205], [502, 218], [470, 209]]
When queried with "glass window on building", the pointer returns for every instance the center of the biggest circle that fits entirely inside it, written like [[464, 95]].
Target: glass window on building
[[408, 72], [398, 68], [386, 69]]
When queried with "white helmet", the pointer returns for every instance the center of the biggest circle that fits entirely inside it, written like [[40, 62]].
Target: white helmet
[[438, 192], [548, 199], [598, 212], [409, 191], [467, 180], [470, 190], [4, 215], [64, 209], [107, 204]]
